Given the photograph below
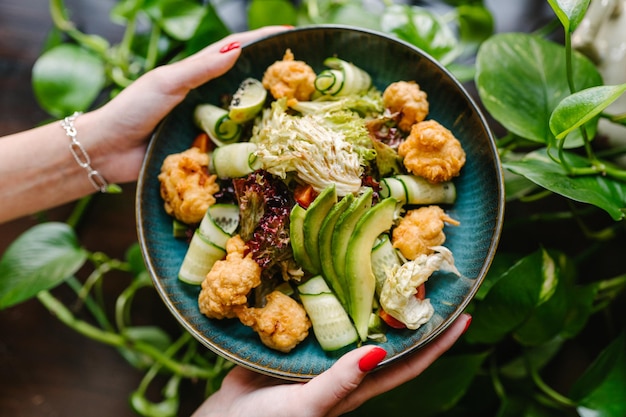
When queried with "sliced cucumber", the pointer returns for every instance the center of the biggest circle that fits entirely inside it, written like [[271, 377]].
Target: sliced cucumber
[[296, 236], [325, 247], [343, 78], [215, 122], [411, 189], [384, 259], [343, 230], [219, 222], [234, 160], [359, 274], [199, 259], [315, 215], [331, 324]]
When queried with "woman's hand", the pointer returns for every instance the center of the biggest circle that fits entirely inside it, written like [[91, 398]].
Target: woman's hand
[[37, 169], [344, 387], [128, 120]]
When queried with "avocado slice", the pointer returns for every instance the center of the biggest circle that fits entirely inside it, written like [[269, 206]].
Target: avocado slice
[[315, 215], [326, 250], [359, 275]]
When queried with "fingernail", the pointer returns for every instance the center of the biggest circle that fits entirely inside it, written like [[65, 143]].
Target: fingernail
[[467, 323], [230, 47], [372, 359], [288, 26]]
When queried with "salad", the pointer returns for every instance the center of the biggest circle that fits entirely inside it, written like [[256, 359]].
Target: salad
[[314, 201]]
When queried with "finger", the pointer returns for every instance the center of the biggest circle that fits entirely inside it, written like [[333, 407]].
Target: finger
[[324, 392], [408, 368], [216, 59]]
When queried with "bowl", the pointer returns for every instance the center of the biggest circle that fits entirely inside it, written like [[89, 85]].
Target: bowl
[[479, 206]]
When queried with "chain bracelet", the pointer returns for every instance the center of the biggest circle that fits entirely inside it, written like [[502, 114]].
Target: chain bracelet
[[80, 154]]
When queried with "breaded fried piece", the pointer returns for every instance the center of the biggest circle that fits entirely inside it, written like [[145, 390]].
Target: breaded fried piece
[[419, 230], [281, 324], [431, 151], [226, 287], [407, 99], [289, 78], [186, 185]]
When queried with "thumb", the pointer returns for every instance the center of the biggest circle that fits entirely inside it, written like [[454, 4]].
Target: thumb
[[330, 388]]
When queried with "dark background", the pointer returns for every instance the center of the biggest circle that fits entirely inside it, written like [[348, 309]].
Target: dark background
[[46, 369]]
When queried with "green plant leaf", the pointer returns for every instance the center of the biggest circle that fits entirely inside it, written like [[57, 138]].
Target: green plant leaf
[[579, 108], [151, 335], [522, 78], [39, 259], [601, 390], [424, 29], [270, 12], [603, 192], [67, 78], [476, 24], [440, 386], [570, 12], [178, 18], [210, 30], [514, 297]]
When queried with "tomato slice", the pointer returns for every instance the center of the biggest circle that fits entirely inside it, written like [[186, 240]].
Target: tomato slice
[[390, 320], [421, 292], [202, 142], [304, 195]]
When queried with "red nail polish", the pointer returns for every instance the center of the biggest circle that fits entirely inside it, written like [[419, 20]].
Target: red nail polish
[[230, 47], [467, 323], [372, 359]]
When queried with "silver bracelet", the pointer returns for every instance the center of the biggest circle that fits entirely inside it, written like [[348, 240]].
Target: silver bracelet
[[80, 154]]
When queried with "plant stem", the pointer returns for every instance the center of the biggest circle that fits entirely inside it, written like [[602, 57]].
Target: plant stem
[[58, 309], [547, 390]]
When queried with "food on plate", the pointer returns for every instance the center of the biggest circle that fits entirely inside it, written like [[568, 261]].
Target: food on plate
[[408, 100], [419, 230], [186, 185], [227, 285], [330, 207], [281, 323], [290, 79], [432, 152]]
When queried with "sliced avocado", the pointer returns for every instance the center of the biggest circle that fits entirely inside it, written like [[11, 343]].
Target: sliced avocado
[[315, 215], [359, 275], [296, 233], [325, 247], [343, 230]]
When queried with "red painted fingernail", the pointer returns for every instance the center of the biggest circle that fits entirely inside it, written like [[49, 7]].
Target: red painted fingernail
[[289, 26], [372, 359], [230, 47], [467, 323]]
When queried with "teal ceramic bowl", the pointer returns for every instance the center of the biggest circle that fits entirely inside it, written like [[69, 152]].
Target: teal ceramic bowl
[[479, 206]]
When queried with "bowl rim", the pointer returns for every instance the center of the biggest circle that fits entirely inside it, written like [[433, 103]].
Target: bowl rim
[[486, 263]]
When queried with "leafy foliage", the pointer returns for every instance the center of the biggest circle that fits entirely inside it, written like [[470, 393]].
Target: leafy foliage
[[535, 302]]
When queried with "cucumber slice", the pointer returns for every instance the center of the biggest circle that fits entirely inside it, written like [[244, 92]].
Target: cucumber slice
[[315, 215], [296, 235], [199, 259], [215, 122], [359, 275], [343, 78], [234, 160], [325, 247], [219, 222], [247, 101], [411, 189], [384, 259], [341, 235], [331, 324]]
